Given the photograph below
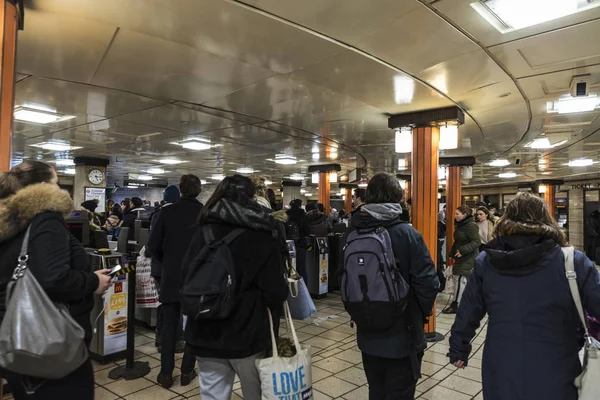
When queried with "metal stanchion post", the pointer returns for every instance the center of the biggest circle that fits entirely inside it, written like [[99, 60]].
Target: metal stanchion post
[[132, 369]]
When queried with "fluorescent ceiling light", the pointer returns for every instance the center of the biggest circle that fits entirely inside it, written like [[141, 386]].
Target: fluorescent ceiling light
[[499, 163], [316, 156], [448, 137], [442, 173], [582, 162], [401, 164], [268, 182], [69, 171], [333, 177], [217, 177], [507, 175], [544, 143], [297, 177], [404, 140], [36, 116], [197, 144], [156, 171], [55, 146], [65, 162], [203, 182], [315, 177], [144, 178], [569, 105], [404, 89], [285, 159], [170, 161], [542, 189], [363, 184], [512, 15], [245, 170]]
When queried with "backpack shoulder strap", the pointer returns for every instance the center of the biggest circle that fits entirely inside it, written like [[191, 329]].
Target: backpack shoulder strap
[[209, 235], [569, 255], [231, 236]]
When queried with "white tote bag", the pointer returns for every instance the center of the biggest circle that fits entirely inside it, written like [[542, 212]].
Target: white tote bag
[[283, 377], [588, 383]]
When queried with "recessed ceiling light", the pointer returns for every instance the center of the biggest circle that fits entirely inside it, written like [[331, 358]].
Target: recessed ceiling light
[[512, 15], [197, 144], [569, 105], [284, 159], [217, 177], [65, 162], [582, 162], [544, 143], [156, 171], [55, 146], [69, 171], [203, 182], [29, 114], [499, 163], [170, 161], [507, 175], [401, 164], [245, 170], [268, 182], [316, 156], [297, 177], [363, 184], [144, 178]]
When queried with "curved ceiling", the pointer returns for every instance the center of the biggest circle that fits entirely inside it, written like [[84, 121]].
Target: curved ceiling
[[315, 79]]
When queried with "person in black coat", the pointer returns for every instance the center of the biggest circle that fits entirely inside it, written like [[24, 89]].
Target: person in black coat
[[242, 338], [392, 359], [30, 196], [130, 215], [168, 243], [532, 344]]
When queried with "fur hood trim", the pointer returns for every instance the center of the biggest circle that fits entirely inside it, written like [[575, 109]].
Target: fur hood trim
[[280, 216], [17, 211]]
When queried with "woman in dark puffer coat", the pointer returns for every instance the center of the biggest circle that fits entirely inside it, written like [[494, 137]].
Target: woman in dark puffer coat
[[532, 344]]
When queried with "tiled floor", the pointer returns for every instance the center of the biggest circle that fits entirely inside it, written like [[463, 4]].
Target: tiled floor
[[337, 366]]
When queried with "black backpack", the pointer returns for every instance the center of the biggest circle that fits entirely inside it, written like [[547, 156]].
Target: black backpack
[[292, 230], [208, 291]]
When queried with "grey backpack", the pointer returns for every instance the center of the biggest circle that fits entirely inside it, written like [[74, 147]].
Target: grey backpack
[[37, 337], [373, 290]]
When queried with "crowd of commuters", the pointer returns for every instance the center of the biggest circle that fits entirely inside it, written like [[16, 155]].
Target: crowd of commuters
[[532, 340]]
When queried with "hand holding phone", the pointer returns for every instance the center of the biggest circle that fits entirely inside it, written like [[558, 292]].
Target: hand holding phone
[[114, 271]]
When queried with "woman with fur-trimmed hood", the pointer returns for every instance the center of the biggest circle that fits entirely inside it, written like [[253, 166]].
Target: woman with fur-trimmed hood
[[532, 344], [30, 197]]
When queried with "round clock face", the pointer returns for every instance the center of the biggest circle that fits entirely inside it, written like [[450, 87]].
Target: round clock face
[[96, 176]]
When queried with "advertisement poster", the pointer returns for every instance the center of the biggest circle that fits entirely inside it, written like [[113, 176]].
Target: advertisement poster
[[115, 317], [324, 274], [98, 194]]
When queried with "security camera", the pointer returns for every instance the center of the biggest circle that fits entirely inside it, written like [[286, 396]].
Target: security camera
[[580, 85]]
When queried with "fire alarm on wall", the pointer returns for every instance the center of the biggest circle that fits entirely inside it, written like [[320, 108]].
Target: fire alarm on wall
[[580, 85]]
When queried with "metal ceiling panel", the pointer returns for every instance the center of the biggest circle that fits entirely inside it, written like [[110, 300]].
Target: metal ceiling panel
[[166, 69]]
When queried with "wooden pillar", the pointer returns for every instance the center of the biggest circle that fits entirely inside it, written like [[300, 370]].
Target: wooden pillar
[[425, 160], [408, 190], [324, 191], [549, 198], [9, 22], [453, 201], [348, 201]]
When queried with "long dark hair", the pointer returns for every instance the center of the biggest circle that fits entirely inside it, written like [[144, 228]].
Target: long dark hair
[[25, 174], [237, 188], [528, 214]]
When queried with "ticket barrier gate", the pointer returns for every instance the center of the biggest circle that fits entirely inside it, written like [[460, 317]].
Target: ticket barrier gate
[[317, 266]]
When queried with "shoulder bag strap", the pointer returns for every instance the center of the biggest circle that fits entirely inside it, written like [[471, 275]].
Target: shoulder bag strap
[[209, 236], [231, 236], [572, 278]]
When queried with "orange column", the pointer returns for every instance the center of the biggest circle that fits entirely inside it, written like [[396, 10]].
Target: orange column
[[453, 201], [549, 198], [348, 201], [9, 22], [425, 160], [408, 190], [324, 190]]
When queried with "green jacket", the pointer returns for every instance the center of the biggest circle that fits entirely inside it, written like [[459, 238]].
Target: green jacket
[[467, 241]]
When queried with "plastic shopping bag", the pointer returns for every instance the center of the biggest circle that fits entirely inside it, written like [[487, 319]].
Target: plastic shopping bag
[[286, 377], [450, 281], [301, 305], [145, 290]]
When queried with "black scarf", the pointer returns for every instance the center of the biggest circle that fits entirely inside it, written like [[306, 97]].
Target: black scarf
[[251, 216]]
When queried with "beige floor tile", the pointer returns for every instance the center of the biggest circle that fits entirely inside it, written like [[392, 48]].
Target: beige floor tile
[[123, 387], [345, 328], [335, 335], [329, 324], [353, 375], [330, 353], [320, 342], [141, 340], [362, 393], [154, 393], [479, 396], [429, 369], [334, 387], [184, 389], [99, 367], [442, 393], [312, 330], [235, 396], [471, 373], [351, 356], [148, 349], [152, 362], [440, 348], [319, 373], [102, 394], [320, 396], [462, 385], [350, 345], [443, 374], [194, 393], [436, 358], [475, 363], [302, 336], [332, 365], [101, 377], [426, 384]]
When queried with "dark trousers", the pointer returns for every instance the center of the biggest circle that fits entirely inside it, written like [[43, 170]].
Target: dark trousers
[[77, 385], [390, 379], [159, 323], [171, 318]]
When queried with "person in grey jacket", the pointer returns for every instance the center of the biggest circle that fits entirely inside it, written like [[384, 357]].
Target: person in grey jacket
[[392, 359]]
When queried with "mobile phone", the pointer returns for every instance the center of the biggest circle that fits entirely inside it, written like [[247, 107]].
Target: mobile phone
[[114, 271]]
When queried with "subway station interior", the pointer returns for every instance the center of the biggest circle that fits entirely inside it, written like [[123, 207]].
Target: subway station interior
[[464, 101]]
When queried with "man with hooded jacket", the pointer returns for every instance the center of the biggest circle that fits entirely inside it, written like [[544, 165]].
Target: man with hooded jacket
[[392, 358]]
